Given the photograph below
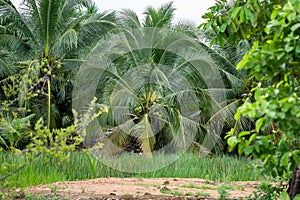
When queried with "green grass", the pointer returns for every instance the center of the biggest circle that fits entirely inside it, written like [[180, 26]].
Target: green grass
[[204, 187], [173, 192], [81, 166], [202, 194]]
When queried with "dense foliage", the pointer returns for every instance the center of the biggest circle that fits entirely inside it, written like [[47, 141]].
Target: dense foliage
[[273, 65], [161, 86], [45, 42]]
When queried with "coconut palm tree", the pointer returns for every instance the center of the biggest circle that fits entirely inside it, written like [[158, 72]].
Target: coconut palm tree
[[52, 37], [162, 86]]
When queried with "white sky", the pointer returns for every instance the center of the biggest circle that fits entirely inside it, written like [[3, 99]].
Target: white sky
[[185, 9]]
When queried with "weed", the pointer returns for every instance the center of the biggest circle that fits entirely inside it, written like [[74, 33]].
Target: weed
[[223, 193], [174, 192], [240, 187], [127, 196], [204, 187], [202, 194], [207, 187], [265, 191], [226, 187], [178, 193], [53, 189]]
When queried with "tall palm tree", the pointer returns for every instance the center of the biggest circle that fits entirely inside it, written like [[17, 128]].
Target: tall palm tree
[[161, 86], [54, 36]]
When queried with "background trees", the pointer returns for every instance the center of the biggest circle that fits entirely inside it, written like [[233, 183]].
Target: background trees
[[50, 38]]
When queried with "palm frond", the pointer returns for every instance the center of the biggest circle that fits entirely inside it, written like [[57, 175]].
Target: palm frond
[[14, 44], [5, 69], [187, 27], [92, 29], [115, 143], [20, 24], [129, 19], [185, 135], [161, 17], [65, 43], [144, 133], [226, 114], [30, 11], [49, 11]]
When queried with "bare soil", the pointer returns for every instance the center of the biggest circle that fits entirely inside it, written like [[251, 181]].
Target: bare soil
[[143, 188]]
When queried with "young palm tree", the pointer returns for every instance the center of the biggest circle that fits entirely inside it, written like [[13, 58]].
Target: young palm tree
[[53, 36], [161, 85], [227, 58]]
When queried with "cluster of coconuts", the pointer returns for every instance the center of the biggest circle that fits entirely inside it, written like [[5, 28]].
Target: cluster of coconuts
[[46, 68]]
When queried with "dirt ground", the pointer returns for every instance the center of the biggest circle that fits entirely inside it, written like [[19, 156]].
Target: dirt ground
[[144, 188]]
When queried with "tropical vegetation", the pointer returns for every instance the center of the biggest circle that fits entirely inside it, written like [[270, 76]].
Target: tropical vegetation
[[74, 78]]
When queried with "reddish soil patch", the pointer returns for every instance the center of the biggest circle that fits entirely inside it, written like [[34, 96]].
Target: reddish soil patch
[[144, 188]]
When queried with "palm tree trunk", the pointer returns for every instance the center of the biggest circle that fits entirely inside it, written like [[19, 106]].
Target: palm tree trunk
[[294, 184], [49, 103]]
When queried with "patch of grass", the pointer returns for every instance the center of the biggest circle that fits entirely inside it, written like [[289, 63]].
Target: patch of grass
[[226, 187], [147, 185], [12, 195], [189, 194], [240, 187], [189, 185], [223, 193], [78, 167], [204, 187], [202, 194], [173, 192]]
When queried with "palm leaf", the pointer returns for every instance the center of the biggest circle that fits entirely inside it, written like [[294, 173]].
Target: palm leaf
[[5, 70], [185, 135], [161, 17], [9, 11], [49, 10], [65, 43], [143, 131], [129, 19], [93, 28], [14, 44]]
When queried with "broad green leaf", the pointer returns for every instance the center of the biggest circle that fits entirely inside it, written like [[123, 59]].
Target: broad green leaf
[[244, 133], [284, 196], [297, 197], [237, 115], [232, 141], [257, 93], [241, 64], [242, 16], [235, 12], [252, 137], [274, 160], [298, 48], [284, 161], [249, 15], [258, 124], [248, 150], [288, 48], [223, 27], [296, 156], [295, 27]]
